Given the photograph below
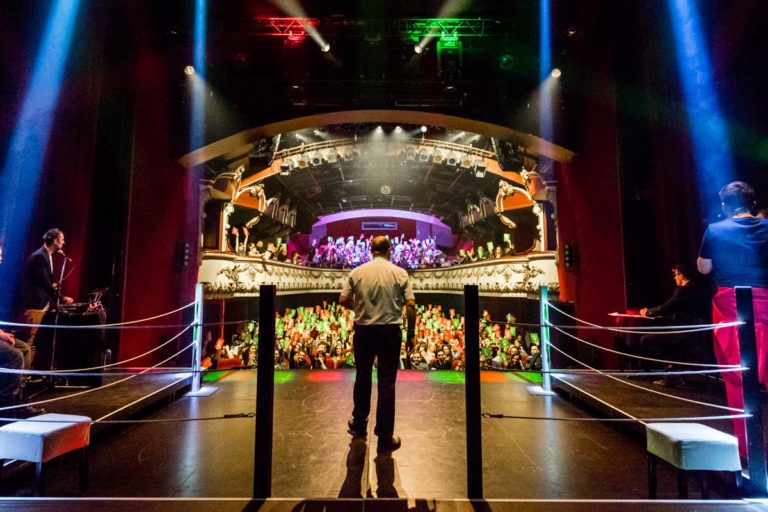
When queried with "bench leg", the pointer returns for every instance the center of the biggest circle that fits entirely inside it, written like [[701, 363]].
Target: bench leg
[[704, 482], [738, 482], [39, 479], [83, 469], [651, 476], [682, 484]]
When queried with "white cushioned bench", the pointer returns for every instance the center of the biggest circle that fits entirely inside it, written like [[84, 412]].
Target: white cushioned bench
[[690, 447], [45, 437]]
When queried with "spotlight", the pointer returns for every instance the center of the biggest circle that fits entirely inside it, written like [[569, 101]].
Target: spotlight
[[423, 155], [379, 128], [331, 157], [556, 73], [418, 49], [325, 48], [506, 62], [437, 157], [398, 129], [315, 160], [189, 70], [303, 162], [423, 129], [466, 162], [453, 159]]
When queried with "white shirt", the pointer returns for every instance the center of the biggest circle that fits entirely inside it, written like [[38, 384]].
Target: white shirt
[[379, 290]]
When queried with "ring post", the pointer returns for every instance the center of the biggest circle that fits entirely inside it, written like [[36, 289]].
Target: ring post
[[265, 395], [758, 479], [197, 347], [546, 388], [472, 393], [197, 335]]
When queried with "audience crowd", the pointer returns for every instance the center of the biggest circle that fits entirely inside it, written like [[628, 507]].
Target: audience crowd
[[321, 337], [349, 252]]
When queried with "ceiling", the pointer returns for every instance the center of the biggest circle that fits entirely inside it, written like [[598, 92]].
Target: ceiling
[[262, 69]]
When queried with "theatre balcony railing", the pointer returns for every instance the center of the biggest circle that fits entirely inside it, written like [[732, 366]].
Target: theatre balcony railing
[[228, 275]]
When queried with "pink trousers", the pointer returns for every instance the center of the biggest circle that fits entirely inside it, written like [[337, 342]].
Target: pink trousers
[[727, 349]]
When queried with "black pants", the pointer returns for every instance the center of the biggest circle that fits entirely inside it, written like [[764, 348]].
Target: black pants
[[370, 341], [685, 347]]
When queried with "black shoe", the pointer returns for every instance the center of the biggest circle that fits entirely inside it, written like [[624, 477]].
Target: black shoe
[[388, 445], [29, 411], [356, 430]]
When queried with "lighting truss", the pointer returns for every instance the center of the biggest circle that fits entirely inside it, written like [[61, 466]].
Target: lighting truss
[[290, 28], [418, 28]]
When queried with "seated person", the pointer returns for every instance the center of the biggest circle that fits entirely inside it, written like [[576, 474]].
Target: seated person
[[534, 360], [10, 383], [689, 305], [19, 345], [417, 362]]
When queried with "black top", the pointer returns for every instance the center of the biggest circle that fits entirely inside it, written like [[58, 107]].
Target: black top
[[38, 281], [689, 304]]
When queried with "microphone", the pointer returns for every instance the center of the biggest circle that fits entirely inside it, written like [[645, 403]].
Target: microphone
[[60, 251]]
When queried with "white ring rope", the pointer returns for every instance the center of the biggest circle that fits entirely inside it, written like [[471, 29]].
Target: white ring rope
[[627, 383], [76, 371], [722, 368], [100, 326], [65, 373], [235, 416], [618, 420], [682, 329], [105, 386], [652, 373], [174, 338], [247, 415]]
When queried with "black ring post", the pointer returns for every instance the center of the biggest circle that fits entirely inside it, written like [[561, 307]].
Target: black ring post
[[758, 479], [265, 394], [472, 392]]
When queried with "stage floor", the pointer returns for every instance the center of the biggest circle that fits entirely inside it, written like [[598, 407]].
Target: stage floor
[[314, 457]]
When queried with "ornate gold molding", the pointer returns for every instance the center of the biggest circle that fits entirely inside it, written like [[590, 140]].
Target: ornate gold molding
[[227, 275]]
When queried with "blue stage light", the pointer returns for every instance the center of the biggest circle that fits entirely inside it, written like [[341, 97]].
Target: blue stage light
[[546, 130], [20, 175], [712, 150], [197, 121]]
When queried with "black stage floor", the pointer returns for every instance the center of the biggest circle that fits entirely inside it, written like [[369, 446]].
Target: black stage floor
[[524, 459], [117, 398]]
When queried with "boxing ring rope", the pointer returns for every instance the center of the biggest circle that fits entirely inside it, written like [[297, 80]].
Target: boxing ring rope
[[752, 412], [678, 329], [649, 390], [98, 388], [264, 414], [118, 325], [717, 368]]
